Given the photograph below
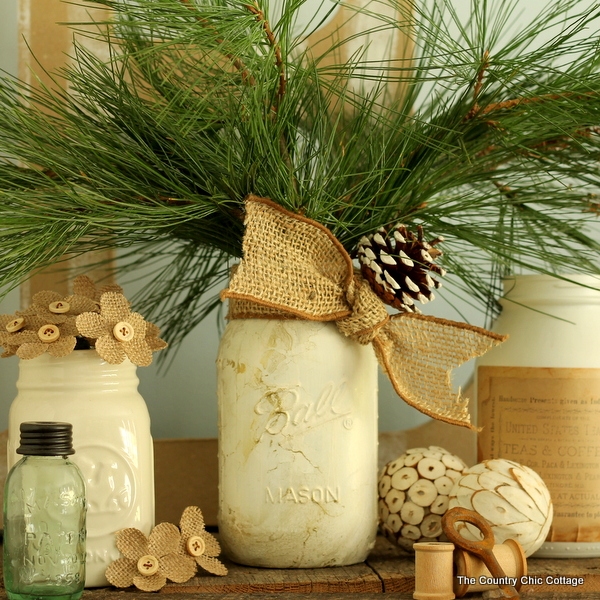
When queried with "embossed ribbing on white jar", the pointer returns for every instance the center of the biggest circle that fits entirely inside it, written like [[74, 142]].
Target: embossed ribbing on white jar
[[539, 400], [297, 444], [111, 436]]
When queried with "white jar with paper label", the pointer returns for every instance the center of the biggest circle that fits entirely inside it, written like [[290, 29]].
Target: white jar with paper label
[[539, 400]]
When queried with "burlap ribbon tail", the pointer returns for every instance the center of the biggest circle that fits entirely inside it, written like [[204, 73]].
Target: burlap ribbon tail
[[294, 267]]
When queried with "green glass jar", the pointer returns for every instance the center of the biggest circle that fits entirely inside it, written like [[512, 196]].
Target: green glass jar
[[44, 517]]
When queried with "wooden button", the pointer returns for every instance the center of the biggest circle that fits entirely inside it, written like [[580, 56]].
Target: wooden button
[[59, 307], [148, 565], [123, 331], [15, 324], [48, 333], [195, 545]]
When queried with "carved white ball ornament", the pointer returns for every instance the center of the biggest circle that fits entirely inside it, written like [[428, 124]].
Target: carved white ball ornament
[[413, 494], [511, 497]]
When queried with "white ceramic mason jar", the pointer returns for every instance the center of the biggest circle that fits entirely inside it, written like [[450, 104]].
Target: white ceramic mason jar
[[111, 437], [539, 400], [297, 444]]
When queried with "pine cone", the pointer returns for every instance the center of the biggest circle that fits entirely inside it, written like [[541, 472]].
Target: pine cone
[[398, 266]]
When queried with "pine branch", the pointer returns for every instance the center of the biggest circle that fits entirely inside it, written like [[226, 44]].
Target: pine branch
[[237, 63], [494, 146], [260, 17]]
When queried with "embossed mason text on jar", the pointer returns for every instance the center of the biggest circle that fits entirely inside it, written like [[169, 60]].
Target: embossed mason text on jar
[[111, 437], [297, 444], [302, 495]]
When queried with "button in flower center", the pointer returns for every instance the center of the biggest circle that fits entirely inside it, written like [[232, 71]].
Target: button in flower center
[[48, 333], [123, 331], [15, 324], [195, 545], [59, 307], [148, 565]]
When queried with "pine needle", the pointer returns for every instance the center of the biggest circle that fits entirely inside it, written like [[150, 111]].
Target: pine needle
[[494, 143]]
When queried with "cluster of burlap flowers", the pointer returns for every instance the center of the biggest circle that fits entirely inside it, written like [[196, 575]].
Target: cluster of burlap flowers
[[168, 552], [94, 317]]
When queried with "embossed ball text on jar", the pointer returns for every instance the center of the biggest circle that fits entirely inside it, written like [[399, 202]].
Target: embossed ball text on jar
[[112, 440], [297, 444]]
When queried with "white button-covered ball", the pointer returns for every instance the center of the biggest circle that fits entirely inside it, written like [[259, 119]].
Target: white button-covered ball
[[413, 494], [511, 497]]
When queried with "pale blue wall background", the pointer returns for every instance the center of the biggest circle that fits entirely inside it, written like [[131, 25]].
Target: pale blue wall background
[[182, 402]]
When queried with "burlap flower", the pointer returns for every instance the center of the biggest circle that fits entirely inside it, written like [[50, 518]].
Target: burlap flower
[[52, 307], [149, 561], [36, 336], [9, 350], [90, 316], [118, 332], [198, 543], [10, 324], [84, 286], [152, 339]]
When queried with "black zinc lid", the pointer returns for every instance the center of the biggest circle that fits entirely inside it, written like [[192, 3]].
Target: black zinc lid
[[46, 438]]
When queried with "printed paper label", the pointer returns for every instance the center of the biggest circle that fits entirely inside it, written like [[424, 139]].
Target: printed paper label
[[548, 419]]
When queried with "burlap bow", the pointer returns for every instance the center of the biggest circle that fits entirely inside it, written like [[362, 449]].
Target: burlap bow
[[293, 267]]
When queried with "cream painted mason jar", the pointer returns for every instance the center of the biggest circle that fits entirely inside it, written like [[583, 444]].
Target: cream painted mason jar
[[297, 444], [111, 437], [539, 400]]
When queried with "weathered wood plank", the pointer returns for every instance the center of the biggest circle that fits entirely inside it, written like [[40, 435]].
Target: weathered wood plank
[[396, 570], [112, 594], [394, 566], [248, 580], [107, 594], [587, 569], [391, 570], [386, 564], [388, 569]]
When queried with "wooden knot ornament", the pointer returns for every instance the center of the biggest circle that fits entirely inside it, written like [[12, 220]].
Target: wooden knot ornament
[[413, 494], [512, 498]]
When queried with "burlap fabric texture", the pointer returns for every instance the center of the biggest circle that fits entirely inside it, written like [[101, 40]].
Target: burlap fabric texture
[[148, 562], [115, 308], [160, 550], [192, 526], [294, 267], [27, 343]]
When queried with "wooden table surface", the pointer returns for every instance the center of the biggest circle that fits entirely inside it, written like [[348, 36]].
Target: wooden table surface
[[388, 570]]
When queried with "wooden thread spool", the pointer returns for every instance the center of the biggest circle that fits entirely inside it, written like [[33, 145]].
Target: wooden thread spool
[[433, 571], [510, 555]]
